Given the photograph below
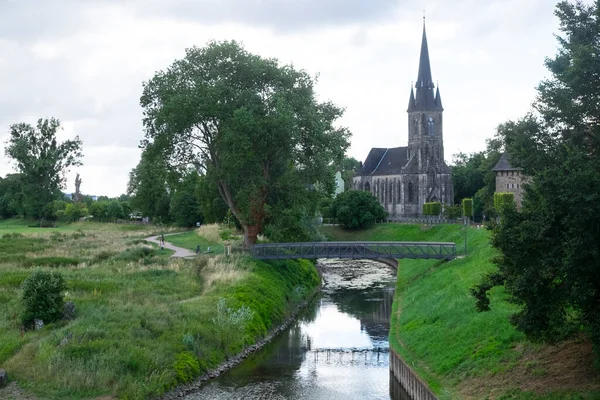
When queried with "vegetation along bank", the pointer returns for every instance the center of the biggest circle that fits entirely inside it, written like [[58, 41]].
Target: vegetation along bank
[[145, 323], [459, 352]]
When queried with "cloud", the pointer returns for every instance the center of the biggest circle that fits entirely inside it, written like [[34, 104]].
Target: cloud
[[84, 62], [279, 15]]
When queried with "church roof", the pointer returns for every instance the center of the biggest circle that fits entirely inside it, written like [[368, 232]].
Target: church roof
[[382, 161], [504, 165]]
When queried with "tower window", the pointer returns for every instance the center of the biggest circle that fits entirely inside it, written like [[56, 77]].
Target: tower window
[[430, 126], [410, 192]]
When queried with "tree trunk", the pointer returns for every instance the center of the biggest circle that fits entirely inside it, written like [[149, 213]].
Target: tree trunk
[[250, 235]]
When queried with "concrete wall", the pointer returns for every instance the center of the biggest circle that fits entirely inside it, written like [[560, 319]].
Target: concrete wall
[[410, 382]]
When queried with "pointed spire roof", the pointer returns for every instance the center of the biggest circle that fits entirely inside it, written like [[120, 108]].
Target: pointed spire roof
[[438, 99], [425, 100], [424, 79], [411, 101]]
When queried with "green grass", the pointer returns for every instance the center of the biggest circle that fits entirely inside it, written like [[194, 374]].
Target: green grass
[[140, 315], [434, 324], [190, 240]]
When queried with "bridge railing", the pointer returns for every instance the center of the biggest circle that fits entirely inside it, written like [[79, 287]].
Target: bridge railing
[[356, 250]]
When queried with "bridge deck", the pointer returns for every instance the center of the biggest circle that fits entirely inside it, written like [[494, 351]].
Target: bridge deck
[[356, 250]]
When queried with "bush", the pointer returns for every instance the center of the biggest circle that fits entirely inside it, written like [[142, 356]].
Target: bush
[[452, 212], [357, 209], [467, 207], [42, 297], [186, 367], [503, 199], [230, 324], [432, 208]]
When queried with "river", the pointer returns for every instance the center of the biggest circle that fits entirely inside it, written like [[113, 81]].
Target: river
[[336, 349]]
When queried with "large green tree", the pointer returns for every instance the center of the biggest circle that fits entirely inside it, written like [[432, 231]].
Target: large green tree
[[254, 126], [42, 162], [550, 252], [148, 186], [185, 206]]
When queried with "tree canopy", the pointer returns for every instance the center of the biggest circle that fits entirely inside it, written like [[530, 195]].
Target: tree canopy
[[357, 209], [549, 254], [252, 125], [42, 163]]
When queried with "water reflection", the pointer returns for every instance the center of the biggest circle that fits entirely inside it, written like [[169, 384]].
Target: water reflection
[[337, 349]]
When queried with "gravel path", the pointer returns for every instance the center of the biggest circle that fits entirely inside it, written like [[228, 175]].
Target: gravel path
[[179, 251]]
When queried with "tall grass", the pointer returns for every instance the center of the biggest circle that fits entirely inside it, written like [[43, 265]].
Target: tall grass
[[135, 309], [209, 232]]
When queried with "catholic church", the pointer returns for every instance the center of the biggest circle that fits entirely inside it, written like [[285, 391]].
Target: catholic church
[[404, 178]]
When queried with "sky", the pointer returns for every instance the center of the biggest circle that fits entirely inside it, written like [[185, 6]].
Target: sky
[[84, 62]]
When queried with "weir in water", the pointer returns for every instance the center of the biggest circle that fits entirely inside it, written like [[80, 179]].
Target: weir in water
[[337, 349]]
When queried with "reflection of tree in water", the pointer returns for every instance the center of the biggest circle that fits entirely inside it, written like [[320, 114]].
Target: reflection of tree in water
[[373, 308]]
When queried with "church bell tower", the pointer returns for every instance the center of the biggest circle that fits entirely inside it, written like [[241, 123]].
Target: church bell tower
[[425, 133]]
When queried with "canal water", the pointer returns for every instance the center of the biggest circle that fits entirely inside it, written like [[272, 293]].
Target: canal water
[[337, 348]]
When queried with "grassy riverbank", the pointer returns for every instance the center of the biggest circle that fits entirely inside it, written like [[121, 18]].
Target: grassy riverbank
[[463, 354], [145, 322]]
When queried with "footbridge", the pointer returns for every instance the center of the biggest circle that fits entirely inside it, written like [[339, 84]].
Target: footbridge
[[355, 250]]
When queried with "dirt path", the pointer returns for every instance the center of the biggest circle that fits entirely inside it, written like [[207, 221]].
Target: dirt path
[[179, 251]]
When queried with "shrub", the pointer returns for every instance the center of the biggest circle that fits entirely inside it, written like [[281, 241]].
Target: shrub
[[225, 234], [186, 367], [42, 297], [357, 209], [503, 199], [452, 212], [230, 323], [467, 207], [432, 208]]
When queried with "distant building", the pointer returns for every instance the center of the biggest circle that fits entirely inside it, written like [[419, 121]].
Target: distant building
[[339, 183], [509, 179], [404, 178]]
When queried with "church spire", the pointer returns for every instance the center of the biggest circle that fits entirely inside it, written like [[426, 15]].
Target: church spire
[[424, 79], [424, 97]]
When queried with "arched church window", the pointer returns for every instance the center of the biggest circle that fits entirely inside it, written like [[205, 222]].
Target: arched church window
[[410, 192], [430, 126], [367, 187]]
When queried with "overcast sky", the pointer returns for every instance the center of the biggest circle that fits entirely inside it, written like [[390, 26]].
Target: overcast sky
[[84, 62]]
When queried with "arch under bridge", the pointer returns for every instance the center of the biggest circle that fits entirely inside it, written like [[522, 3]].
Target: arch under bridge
[[355, 250]]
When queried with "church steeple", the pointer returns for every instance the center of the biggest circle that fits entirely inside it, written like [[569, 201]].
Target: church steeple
[[425, 99], [424, 79]]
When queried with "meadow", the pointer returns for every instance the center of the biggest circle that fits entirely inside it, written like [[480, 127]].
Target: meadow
[[145, 322], [463, 354]]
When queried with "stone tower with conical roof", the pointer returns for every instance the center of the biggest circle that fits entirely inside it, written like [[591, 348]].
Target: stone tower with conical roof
[[404, 178]]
